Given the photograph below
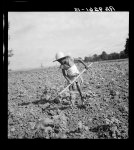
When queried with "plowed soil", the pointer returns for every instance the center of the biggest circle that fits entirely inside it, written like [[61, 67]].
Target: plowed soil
[[32, 113]]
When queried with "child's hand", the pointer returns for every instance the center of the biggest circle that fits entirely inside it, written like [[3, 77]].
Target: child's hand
[[69, 82], [86, 67]]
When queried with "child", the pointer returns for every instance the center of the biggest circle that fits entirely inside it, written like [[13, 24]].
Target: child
[[70, 71]]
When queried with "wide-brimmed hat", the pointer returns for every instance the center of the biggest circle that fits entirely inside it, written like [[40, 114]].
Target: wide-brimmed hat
[[59, 55]]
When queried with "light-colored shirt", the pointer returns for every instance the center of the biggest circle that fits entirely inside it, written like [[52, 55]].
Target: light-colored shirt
[[72, 71], [70, 68]]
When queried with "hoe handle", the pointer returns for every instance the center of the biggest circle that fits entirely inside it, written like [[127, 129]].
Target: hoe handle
[[72, 82]]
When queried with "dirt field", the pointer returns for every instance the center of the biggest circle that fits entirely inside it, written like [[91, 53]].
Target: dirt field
[[32, 114]]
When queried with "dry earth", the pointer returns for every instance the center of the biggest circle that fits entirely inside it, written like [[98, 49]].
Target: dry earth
[[32, 113]]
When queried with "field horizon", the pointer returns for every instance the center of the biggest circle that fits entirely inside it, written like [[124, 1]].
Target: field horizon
[[45, 67]]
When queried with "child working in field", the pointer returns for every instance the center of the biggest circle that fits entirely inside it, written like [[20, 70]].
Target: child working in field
[[70, 71]]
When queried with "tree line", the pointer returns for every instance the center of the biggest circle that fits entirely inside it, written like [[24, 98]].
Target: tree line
[[104, 56]]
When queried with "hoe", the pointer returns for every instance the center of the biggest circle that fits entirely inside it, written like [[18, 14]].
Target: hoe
[[71, 83], [42, 101]]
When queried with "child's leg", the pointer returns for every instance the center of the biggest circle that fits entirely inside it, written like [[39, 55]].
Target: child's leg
[[72, 94], [70, 91], [81, 79], [79, 89]]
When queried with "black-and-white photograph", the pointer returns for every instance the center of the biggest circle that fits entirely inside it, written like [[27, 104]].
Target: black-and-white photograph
[[68, 75]]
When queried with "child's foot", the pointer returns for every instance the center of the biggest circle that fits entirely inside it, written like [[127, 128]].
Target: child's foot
[[72, 103], [82, 106], [82, 101]]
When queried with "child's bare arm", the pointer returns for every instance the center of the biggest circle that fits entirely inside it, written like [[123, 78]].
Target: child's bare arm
[[64, 74], [81, 61]]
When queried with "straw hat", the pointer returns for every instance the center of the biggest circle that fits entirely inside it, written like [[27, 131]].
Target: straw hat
[[59, 56]]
